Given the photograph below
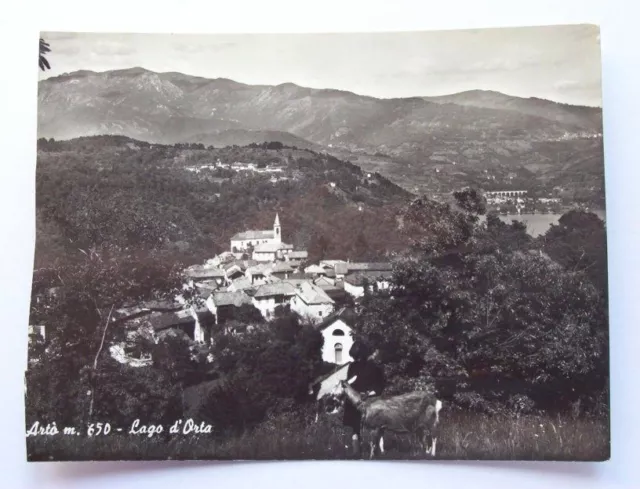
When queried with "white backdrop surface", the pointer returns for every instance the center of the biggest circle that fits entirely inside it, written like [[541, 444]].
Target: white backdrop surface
[[20, 23]]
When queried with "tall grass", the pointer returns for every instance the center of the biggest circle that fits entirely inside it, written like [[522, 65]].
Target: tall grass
[[461, 436]]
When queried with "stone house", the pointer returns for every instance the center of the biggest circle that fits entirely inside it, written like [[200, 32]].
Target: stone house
[[311, 302]]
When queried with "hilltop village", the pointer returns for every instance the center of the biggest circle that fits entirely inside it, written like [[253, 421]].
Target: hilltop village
[[259, 273]]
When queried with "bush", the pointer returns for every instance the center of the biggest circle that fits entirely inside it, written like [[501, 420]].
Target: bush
[[492, 326], [263, 371]]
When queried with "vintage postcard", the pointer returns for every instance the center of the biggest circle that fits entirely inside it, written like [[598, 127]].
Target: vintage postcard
[[320, 246]]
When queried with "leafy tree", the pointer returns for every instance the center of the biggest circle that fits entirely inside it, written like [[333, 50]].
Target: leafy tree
[[42, 60], [434, 227], [475, 309], [471, 200], [248, 314], [75, 301], [125, 393], [498, 235], [263, 371], [579, 243]]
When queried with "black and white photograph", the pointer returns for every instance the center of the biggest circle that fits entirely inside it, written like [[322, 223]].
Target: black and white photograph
[[345, 246]]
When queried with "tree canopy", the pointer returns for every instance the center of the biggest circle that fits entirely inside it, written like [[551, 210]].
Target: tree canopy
[[482, 315], [43, 63]]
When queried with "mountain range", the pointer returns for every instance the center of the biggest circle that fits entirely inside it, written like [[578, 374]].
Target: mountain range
[[425, 144]]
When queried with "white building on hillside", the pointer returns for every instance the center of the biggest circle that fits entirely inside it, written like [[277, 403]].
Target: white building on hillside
[[258, 274], [269, 296], [223, 304], [270, 252], [252, 238], [296, 258], [201, 273], [311, 302], [315, 270], [354, 284], [338, 337], [281, 270], [346, 268]]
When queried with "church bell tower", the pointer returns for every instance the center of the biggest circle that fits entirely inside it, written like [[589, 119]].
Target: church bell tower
[[277, 231]]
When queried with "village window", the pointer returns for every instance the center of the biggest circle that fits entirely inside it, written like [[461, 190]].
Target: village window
[[338, 332], [320, 313], [338, 351]]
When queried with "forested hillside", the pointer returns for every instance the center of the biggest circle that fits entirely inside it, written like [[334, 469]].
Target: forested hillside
[[115, 191]]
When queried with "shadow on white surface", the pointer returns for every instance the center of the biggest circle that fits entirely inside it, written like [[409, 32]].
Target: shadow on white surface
[[72, 471]]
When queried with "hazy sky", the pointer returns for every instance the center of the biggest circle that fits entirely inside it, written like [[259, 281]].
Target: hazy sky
[[560, 63]]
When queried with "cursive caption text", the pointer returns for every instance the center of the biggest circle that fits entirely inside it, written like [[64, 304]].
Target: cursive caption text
[[179, 427]]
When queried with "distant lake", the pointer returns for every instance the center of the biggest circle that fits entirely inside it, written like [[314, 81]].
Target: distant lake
[[538, 224]]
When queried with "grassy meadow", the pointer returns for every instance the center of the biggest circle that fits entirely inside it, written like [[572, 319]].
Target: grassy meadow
[[461, 436]]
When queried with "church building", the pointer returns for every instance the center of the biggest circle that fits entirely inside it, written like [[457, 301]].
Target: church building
[[243, 241]]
